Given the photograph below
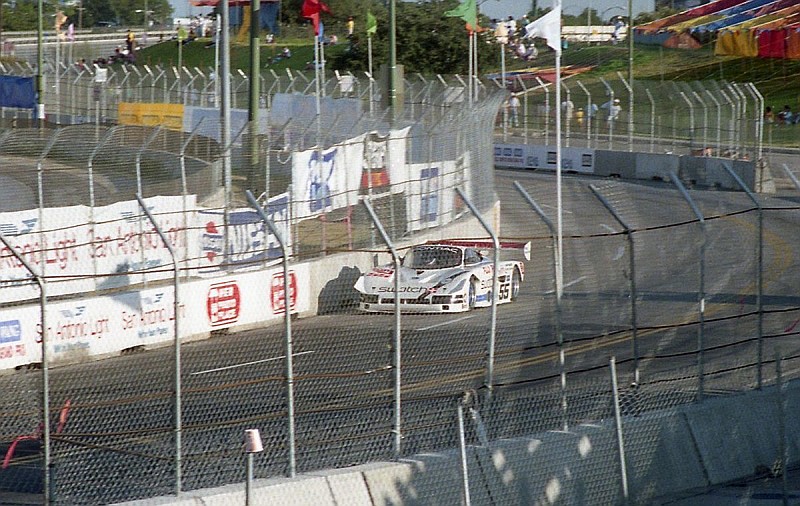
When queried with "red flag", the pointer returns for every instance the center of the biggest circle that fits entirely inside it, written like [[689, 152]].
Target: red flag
[[312, 9]]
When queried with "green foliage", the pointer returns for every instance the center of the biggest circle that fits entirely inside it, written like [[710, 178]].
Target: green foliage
[[427, 41]]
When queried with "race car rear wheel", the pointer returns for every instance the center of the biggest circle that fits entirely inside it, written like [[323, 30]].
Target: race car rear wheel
[[516, 281], [472, 293]]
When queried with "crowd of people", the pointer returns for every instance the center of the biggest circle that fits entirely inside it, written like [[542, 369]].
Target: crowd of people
[[785, 117]]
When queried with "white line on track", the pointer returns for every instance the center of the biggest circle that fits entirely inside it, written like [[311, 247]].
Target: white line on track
[[245, 364], [573, 282], [447, 322]]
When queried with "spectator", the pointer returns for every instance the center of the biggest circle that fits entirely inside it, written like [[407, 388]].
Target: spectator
[[129, 41], [579, 116], [786, 116], [511, 26], [351, 24], [614, 108], [513, 109], [769, 116]]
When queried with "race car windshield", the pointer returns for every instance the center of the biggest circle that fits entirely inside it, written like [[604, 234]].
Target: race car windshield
[[432, 257]]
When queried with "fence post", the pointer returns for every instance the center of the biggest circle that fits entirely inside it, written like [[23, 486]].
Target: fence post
[[618, 425], [287, 328], [610, 124], [701, 295], [40, 280], [546, 112], [691, 120], [495, 288], [632, 266], [462, 446], [652, 119], [568, 112], [759, 267], [705, 120], [629, 87], [759, 118], [588, 114], [783, 447], [90, 170], [719, 120], [557, 293], [177, 342], [397, 336]]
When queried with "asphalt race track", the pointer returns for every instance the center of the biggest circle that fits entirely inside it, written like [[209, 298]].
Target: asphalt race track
[[118, 442]]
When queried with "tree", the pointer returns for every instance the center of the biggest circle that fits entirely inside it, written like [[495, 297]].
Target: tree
[[427, 41]]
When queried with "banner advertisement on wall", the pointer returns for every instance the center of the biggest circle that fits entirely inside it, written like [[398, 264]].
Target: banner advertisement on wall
[[98, 326]]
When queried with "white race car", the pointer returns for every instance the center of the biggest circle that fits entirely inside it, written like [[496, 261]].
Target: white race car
[[443, 277]]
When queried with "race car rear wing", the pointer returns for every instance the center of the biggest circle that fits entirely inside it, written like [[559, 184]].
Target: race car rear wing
[[525, 247]]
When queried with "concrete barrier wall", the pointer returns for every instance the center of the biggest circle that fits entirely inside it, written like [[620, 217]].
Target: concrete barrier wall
[[667, 453], [693, 170]]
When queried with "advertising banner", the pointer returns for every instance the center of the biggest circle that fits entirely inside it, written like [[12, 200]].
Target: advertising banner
[[107, 325], [250, 243], [63, 245]]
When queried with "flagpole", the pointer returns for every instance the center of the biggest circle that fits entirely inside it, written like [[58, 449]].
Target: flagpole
[[559, 205], [369, 64], [471, 60], [475, 66]]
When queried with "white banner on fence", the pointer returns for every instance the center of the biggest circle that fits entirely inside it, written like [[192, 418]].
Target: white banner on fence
[[62, 244], [432, 200], [104, 325], [324, 180], [523, 156], [250, 242]]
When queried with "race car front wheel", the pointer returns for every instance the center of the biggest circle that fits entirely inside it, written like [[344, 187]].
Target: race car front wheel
[[472, 294], [516, 280]]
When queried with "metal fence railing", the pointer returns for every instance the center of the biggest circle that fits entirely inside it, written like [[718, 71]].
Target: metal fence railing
[[704, 118], [685, 289]]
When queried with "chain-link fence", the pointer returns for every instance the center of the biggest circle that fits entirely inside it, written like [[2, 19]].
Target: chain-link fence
[[703, 118], [117, 239]]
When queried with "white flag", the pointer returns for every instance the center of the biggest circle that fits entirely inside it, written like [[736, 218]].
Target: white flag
[[547, 27]]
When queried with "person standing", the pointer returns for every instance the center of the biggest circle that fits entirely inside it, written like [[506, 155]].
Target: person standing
[[614, 109], [513, 109], [129, 41], [351, 25]]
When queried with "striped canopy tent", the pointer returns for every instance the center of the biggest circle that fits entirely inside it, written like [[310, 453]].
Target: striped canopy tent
[[702, 10], [734, 16], [751, 39]]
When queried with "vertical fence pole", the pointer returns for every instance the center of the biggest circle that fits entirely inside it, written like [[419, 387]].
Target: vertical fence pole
[[705, 120], [557, 293], [759, 268], [39, 279], [588, 114], [176, 304], [759, 118], [732, 122], [719, 120], [783, 447], [691, 120], [397, 337], [609, 124], [701, 292], [287, 327], [629, 87], [462, 446], [495, 289], [618, 424], [632, 267], [652, 119]]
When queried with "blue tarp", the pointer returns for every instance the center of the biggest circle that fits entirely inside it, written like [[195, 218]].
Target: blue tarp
[[17, 92]]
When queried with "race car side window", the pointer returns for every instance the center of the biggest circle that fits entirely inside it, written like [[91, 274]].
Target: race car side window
[[471, 256]]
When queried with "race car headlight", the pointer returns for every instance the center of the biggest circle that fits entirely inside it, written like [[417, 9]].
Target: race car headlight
[[440, 299], [369, 298]]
